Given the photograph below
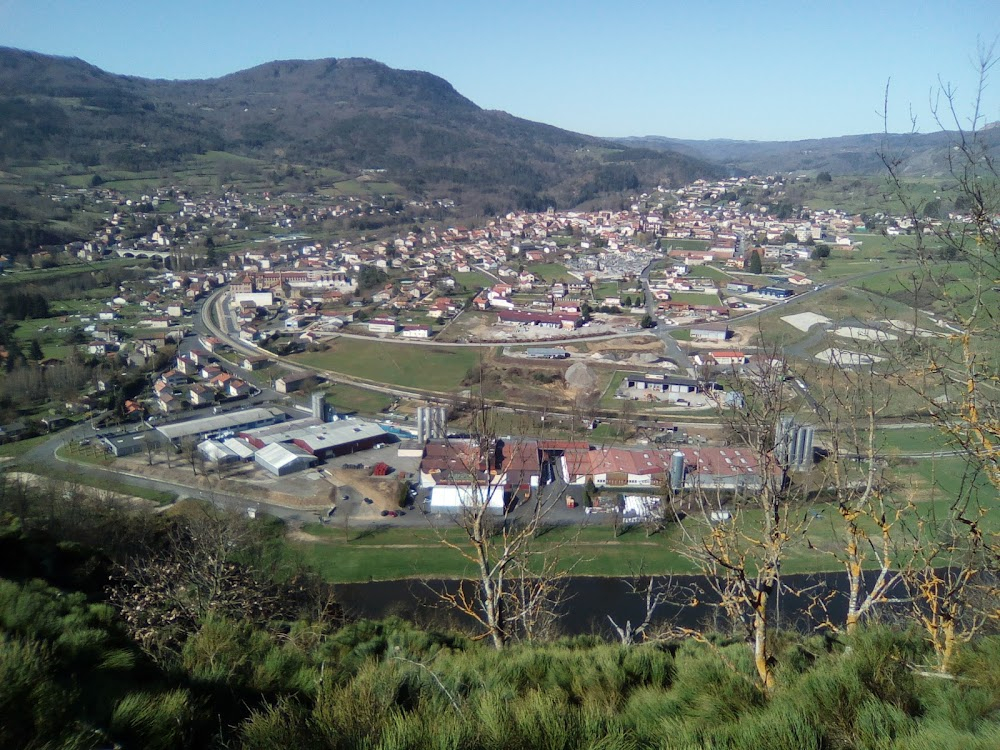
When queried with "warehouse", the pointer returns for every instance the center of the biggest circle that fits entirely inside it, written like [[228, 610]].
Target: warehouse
[[321, 439], [217, 424], [340, 438], [217, 453], [281, 459]]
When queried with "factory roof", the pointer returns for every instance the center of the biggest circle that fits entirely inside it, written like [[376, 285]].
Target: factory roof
[[233, 420]]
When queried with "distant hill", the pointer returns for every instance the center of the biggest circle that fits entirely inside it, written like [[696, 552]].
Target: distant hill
[[349, 114], [851, 154]]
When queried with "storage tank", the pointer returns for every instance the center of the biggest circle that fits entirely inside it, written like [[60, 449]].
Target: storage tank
[[677, 471], [783, 440], [319, 406], [806, 451]]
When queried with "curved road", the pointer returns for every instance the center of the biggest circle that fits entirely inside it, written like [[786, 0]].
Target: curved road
[[45, 454]]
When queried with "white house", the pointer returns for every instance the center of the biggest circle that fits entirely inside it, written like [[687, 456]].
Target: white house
[[382, 325]]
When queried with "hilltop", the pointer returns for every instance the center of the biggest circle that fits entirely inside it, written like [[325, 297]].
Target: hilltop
[[348, 115], [926, 154]]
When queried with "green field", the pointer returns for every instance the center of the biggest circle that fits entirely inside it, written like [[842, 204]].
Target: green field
[[390, 553], [914, 440], [696, 298], [550, 272], [473, 281], [684, 244], [19, 448], [709, 272], [606, 289], [424, 367], [350, 398], [43, 275]]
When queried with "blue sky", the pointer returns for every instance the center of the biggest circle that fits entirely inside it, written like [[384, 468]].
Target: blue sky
[[715, 69]]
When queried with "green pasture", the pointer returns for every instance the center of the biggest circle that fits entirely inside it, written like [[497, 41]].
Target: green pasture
[[672, 244], [606, 289], [19, 448], [550, 272], [387, 553], [695, 298], [474, 280], [351, 398], [709, 272], [409, 366]]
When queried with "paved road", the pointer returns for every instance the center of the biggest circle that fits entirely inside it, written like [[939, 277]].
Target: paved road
[[45, 454], [671, 346]]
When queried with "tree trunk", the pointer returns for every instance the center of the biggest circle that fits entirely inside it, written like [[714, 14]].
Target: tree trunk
[[854, 596], [761, 655]]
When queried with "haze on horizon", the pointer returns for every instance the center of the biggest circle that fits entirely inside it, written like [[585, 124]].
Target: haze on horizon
[[772, 71]]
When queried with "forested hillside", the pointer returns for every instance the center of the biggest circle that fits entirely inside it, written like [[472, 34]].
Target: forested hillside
[[349, 115]]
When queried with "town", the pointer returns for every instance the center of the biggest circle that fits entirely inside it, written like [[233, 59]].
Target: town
[[572, 296]]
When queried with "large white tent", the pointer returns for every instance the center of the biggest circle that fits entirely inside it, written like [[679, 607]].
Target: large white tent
[[451, 498]]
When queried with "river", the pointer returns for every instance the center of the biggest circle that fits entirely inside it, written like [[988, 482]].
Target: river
[[588, 601]]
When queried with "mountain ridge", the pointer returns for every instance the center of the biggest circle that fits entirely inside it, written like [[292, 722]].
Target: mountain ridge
[[348, 114]]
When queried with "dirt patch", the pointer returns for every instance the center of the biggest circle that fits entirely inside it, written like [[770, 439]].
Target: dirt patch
[[630, 344], [845, 358], [383, 490], [864, 334], [805, 321], [59, 486], [298, 535]]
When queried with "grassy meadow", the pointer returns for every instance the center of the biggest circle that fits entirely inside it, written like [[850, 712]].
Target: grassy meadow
[[420, 367]]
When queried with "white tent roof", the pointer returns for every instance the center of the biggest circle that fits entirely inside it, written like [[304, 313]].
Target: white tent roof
[[281, 454], [240, 447], [213, 450], [450, 497]]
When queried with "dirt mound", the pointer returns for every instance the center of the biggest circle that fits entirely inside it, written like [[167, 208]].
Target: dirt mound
[[580, 377]]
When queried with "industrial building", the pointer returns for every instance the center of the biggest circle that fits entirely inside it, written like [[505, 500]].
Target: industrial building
[[125, 445], [217, 424], [453, 498], [320, 439], [687, 468], [217, 453], [281, 459]]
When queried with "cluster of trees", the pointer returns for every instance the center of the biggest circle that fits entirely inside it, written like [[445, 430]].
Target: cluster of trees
[[21, 305]]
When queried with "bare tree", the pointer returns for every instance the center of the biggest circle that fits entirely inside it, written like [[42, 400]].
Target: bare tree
[[654, 592], [514, 583], [206, 563], [150, 447], [869, 526], [740, 546], [957, 374]]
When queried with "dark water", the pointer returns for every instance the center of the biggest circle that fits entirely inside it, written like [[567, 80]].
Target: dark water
[[587, 603]]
